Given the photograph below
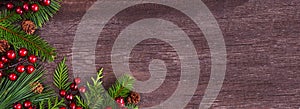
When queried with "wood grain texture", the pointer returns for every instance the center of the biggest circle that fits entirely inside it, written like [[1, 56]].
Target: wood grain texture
[[262, 41]]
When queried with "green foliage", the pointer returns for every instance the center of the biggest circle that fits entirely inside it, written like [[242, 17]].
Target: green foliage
[[53, 103], [94, 97], [11, 31], [131, 106], [122, 87], [44, 13], [19, 90], [60, 76], [80, 102]]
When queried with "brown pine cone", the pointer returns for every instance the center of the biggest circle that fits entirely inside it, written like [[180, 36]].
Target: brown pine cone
[[28, 26], [133, 98], [4, 46], [37, 87]]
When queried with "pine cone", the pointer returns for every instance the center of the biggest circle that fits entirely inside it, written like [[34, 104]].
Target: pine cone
[[28, 26], [133, 98], [4, 46], [37, 87]]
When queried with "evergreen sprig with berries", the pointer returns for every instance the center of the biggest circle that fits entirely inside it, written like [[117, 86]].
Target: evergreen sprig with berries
[[94, 96], [22, 51], [14, 12]]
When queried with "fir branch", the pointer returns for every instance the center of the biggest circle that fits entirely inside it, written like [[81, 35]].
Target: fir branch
[[122, 87], [61, 76]]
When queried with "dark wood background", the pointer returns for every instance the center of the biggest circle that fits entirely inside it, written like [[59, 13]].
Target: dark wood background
[[262, 42]]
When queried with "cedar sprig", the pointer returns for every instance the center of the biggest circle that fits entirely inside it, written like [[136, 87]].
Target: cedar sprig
[[53, 103], [94, 95]]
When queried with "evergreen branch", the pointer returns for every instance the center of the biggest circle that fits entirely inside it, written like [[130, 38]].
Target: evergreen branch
[[131, 106], [19, 90], [53, 103], [61, 76], [44, 13], [81, 102], [34, 43], [122, 87], [93, 96], [6, 17]]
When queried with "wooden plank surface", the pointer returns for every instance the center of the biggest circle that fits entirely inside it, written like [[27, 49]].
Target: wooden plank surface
[[262, 44]]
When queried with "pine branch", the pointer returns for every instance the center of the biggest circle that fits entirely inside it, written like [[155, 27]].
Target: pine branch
[[18, 38], [122, 87], [61, 76], [19, 90], [44, 13]]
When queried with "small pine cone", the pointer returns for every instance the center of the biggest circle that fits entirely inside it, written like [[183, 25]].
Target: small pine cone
[[28, 26], [133, 98], [37, 87], [4, 46]]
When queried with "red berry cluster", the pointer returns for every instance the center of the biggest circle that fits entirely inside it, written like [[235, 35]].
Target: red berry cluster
[[26, 7], [12, 63], [69, 95], [120, 101], [27, 105]]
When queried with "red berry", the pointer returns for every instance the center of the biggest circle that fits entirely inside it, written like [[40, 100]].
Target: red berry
[[34, 7], [77, 80], [1, 64], [12, 77], [78, 107], [63, 107], [72, 105], [62, 93], [30, 69], [69, 97], [82, 89], [45, 2], [11, 54], [19, 10], [9, 6], [4, 59], [73, 86], [23, 52], [17, 106], [20, 68], [120, 100], [1, 74], [32, 58], [121, 104], [108, 107], [31, 107], [25, 6], [27, 104]]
